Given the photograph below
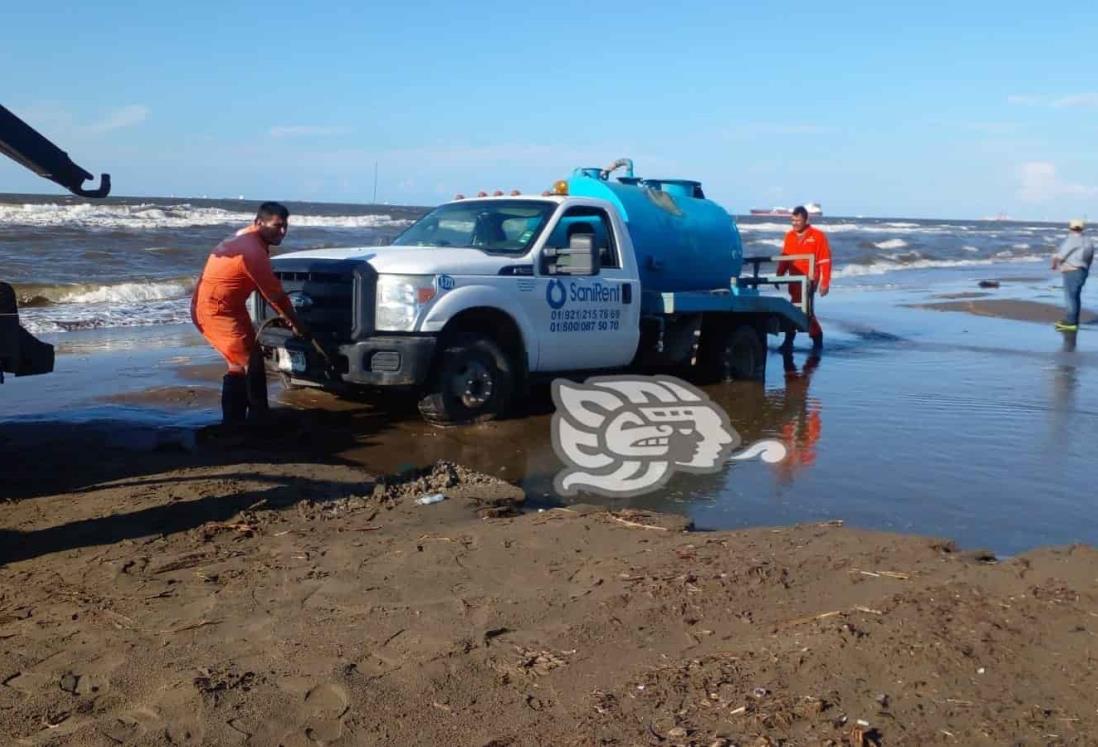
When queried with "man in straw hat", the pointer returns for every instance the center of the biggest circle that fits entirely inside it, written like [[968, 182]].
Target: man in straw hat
[[1073, 261]]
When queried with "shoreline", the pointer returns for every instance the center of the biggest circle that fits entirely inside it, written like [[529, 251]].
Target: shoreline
[[1012, 309], [298, 602]]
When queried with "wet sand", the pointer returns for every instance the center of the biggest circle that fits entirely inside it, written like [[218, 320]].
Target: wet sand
[[280, 601], [1009, 308]]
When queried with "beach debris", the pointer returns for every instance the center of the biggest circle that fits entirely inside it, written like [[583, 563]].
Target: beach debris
[[759, 692], [980, 556], [538, 662], [53, 720], [863, 735], [886, 574], [211, 681], [69, 682], [495, 633], [636, 524], [192, 626], [868, 610], [430, 499], [676, 733], [883, 700]]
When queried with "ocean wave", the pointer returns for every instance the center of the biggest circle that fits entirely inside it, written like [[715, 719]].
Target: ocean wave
[[143, 217], [891, 244], [130, 292], [880, 268], [885, 228], [73, 318], [766, 242], [830, 228]]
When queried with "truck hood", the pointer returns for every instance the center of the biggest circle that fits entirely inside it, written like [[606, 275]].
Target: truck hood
[[414, 260]]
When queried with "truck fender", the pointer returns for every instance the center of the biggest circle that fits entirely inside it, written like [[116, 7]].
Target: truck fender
[[461, 299]]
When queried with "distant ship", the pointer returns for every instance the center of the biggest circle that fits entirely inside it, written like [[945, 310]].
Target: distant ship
[[813, 209]]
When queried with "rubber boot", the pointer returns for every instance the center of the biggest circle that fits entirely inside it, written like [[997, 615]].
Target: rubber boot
[[234, 399], [787, 346], [259, 409], [817, 343]]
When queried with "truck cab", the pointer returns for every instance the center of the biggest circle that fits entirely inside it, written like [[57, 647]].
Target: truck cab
[[480, 295]]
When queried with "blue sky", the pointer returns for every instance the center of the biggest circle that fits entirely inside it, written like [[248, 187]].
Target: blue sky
[[930, 110]]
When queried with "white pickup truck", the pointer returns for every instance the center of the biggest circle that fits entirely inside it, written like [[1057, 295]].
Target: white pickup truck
[[481, 295]]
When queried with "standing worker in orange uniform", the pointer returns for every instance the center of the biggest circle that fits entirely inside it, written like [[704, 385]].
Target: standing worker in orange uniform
[[806, 239], [237, 267]]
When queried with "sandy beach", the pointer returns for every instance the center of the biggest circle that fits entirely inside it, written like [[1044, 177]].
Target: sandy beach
[[185, 600]]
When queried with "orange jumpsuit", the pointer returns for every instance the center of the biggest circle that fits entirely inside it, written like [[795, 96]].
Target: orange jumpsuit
[[810, 241], [236, 268], [802, 433]]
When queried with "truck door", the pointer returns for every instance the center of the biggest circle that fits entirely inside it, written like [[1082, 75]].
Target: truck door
[[590, 321]]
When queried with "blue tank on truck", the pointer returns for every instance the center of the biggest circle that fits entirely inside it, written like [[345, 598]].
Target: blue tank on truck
[[683, 241]]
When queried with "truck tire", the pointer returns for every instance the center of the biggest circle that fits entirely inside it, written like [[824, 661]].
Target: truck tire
[[473, 382], [735, 353]]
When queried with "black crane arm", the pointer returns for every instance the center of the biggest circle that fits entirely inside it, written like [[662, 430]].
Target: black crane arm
[[25, 145]]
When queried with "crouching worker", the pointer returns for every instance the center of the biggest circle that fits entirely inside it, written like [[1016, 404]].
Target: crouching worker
[[237, 267]]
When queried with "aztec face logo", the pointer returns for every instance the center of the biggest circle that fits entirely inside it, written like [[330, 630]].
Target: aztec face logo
[[626, 435]]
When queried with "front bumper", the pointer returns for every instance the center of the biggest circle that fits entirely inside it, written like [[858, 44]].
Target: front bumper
[[398, 360]]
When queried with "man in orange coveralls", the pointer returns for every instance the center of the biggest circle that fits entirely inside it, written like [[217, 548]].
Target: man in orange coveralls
[[801, 433], [237, 267], [806, 239]]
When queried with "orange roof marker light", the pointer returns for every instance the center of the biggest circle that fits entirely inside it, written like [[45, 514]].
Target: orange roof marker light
[[560, 187], [482, 193], [498, 193], [459, 196], [515, 193]]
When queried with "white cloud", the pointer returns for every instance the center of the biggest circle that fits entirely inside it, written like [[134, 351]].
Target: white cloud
[[284, 131], [117, 119], [1086, 99], [992, 128], [1039, 182], [777, 128], [1078, 99]]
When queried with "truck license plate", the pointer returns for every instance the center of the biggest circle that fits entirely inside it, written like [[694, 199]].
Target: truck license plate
[[291, 361]]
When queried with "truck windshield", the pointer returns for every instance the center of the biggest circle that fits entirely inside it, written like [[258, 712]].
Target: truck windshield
[[495, 226]]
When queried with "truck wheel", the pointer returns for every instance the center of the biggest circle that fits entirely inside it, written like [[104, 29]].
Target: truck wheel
[[473, 382], [736, 354]]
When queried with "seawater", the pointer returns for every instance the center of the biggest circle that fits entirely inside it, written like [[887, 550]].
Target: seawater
[[126, 262]]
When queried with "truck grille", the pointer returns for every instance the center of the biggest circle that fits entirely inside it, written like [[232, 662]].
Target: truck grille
[[335, 298]]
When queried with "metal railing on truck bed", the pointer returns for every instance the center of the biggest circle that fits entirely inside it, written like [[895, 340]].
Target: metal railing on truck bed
[[755, 279]]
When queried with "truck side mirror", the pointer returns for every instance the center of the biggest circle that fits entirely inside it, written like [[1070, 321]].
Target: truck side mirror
[[580, 258]]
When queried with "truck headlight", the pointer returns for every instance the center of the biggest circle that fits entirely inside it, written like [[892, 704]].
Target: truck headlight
[[400, 298]]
